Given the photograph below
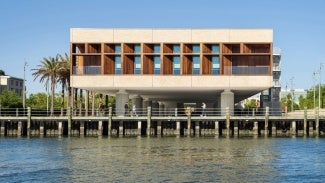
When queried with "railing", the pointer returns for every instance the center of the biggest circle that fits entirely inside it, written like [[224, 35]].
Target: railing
[[195, 112], [247, 70], [86, 70]]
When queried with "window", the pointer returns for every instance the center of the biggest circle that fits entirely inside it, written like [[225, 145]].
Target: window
[[137, 65], [196, 48], [215, 65], [156, 48], [176, 65], [176, 48], [117, 65], [117, 48], [156, 61], [137, 48], [215, 48], [196, 65]]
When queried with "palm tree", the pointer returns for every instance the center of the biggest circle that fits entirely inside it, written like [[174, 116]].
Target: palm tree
[[48, 72], [64, 78]]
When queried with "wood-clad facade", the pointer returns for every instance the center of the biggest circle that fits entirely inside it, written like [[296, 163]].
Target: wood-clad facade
[[197, 58]]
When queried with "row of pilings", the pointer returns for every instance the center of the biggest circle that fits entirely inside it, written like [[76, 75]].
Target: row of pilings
[[123, 126]]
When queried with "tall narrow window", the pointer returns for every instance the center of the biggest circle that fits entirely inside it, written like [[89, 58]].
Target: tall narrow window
[[117, 48], [215, 48], [117, 65], [137, 65], [196, 65], [215, 65], [137, 48], [176, 65], [156, 60], [196, 48], [176, 48], [156, 48]]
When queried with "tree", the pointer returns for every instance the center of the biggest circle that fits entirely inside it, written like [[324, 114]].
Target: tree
[[2, 73], [38, 101], [10, 99], [252, 103], [48, 72], [64, 78]]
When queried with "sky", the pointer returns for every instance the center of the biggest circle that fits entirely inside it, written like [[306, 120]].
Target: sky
[[33, 29]]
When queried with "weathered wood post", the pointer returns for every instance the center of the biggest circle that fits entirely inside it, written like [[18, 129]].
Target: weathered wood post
[[69, 115], [100, 128], [60, 128], [236, 131], [197, 128], [82, 128], [109, 127], [266, 129], [29, 116], [317, 123], [311, 128], [255, 128], [19, 129], [293, 129], [305, 121], [178, 128], [148, 121], [158, 128], [120, 129], [216, 128], [228, 121], [41, 128], [188, 125], [139, 128], [274, 128], [2, 128]]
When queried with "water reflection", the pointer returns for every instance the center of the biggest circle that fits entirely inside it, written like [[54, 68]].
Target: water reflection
[[161, 159]]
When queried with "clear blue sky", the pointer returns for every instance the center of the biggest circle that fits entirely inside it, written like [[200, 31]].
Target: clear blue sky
[[33, 29]]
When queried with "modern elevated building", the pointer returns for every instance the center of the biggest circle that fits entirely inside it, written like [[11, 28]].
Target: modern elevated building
[[169, 67], [10, 83]]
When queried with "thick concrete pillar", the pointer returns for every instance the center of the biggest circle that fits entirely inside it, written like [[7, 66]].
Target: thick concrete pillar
[[227, 100], [216, 128], [100, 128], [293, 128], [255, 128], [122, 97], [137, 101]]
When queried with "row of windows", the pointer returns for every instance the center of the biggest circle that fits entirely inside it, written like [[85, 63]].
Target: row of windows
[[176, 65]]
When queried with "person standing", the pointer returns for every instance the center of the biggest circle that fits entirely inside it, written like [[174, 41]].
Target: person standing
[[204, 106], [134, 111], [126, 108]]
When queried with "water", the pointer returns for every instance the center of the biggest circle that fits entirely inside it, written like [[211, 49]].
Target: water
[[162, 159]]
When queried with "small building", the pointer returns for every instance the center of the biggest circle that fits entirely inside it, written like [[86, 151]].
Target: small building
[[10, 83]]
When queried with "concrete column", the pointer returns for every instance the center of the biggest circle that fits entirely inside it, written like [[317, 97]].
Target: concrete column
[[155, 108], [197, 128], [236, 130], [122, 97], [120, 129], [255, 128], [41, 129], [216, 128], [100, 128], [60, 128], [139, 128], [293, 128], [161, 109], [158, 128], [227, 100], [178, 128], [19, 130], [274, 129], [137, 101], [82, 128]]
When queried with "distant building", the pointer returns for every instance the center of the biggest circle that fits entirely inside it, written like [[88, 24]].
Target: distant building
[[12, 84], [296, 94]]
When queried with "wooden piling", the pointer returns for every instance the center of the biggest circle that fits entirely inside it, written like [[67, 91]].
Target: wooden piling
[[148, 121], [266, 129], [216, 128], [19, 129], [100, 128]]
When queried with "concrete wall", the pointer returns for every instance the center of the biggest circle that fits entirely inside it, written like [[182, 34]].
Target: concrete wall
[[170, 35]]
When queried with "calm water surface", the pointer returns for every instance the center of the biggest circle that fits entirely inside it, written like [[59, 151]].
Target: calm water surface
[[162, 159]]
